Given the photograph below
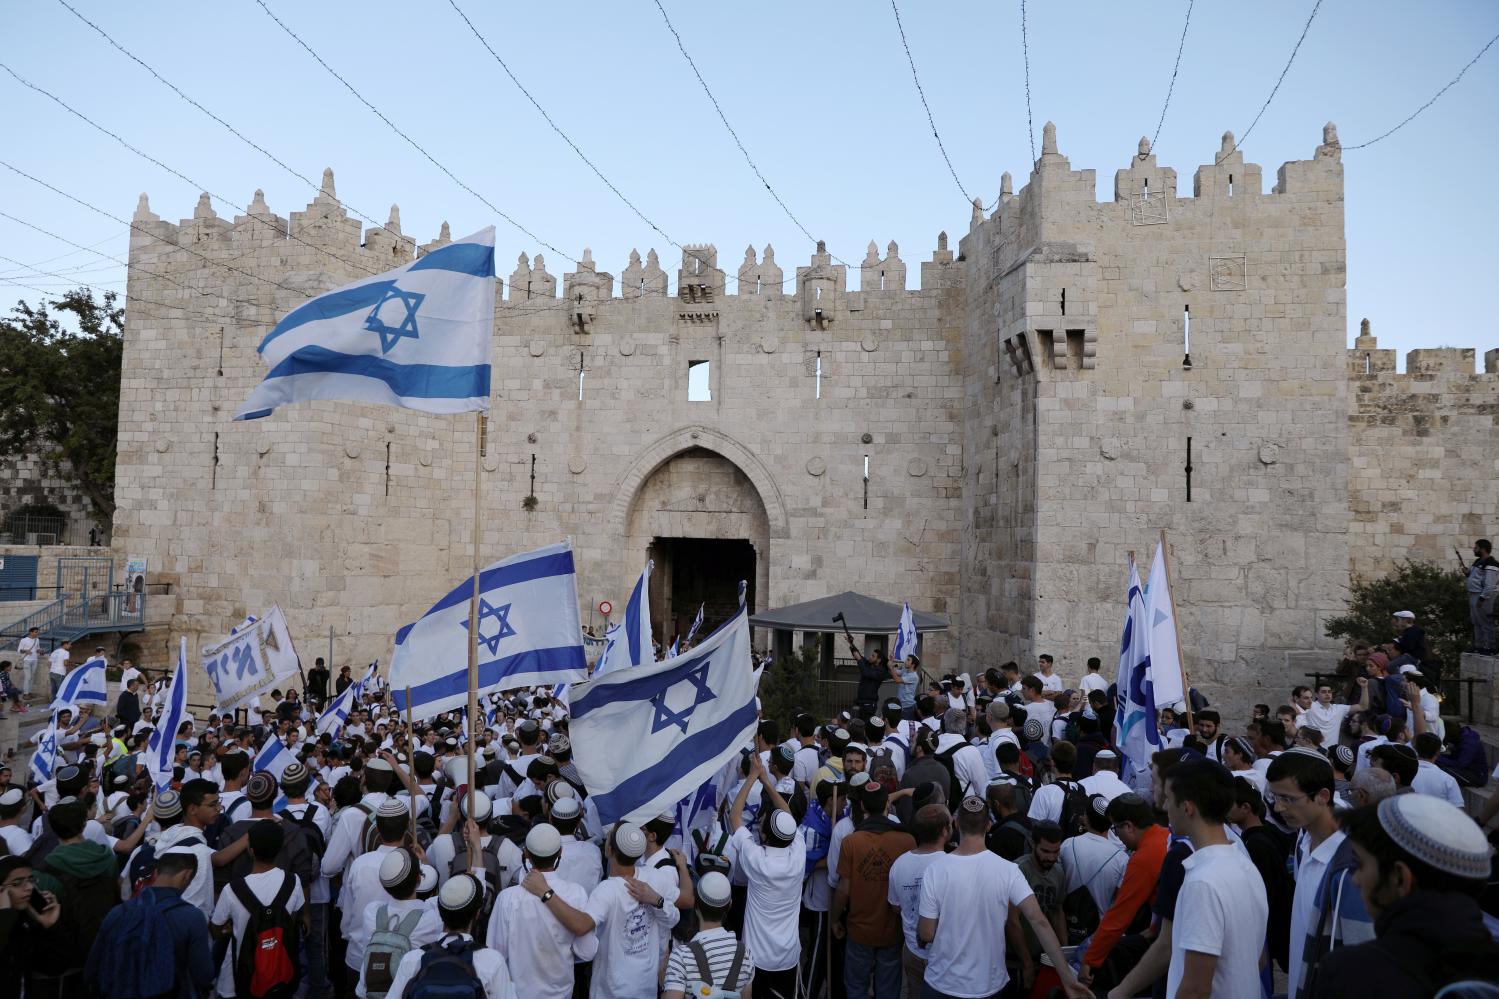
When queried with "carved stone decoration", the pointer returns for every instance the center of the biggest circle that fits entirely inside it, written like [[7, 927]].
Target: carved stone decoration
[[576, 464], [425, 459], [491, 462], [869, 344], [538, 347], [1270, 452], [163, 446], [263, 446], [1227, 273], [816, 466], [916, 467], [627, 347], [351, 450], [769, 344], [1109, 450], [867, 438]]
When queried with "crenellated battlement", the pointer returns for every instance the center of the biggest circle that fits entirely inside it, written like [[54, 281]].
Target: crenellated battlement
[[1367, 360]]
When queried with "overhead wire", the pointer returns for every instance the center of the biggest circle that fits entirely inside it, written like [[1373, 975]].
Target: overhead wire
[[921, 93], [1175, 68], [70, 253], [1282, 78], [1025, 49], [1414, 114]]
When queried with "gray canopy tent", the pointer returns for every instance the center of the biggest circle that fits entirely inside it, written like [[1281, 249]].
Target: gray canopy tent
[[870, 620]]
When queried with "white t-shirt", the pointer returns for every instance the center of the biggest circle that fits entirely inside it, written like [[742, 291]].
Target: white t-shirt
[[970, 897], [773, 907], [538, 949], [1327, 720], [1104, 782], [906, 875], [59, 661], [428, 928], [17, 840], [1042, 711], [629, 941], [1095, 861], [263, 886], [1053, 682], [581, 864], [489, 966], [1092, 682], [127, 675], [807, 762], [1433, 780], [29, 648], [1221, 911]]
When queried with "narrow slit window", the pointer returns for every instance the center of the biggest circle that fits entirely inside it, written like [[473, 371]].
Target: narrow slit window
[[1368, 364], [818, 383], [1146, 190], [1186, 336], [866, 482], [1064, 301], [1189, 469], [581, 373], [699, 381], [1230, 185]]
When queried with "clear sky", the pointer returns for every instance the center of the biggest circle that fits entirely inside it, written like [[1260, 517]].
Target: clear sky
[[820, 94]]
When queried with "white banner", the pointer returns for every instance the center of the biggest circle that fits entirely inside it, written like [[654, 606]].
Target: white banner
[[257, 657]]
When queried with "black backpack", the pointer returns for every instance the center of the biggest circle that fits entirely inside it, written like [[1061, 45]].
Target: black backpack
[[954, 786], [1073, 819], [266, 960], [446, 972], [141, 871], [45, 842], [315, 839]]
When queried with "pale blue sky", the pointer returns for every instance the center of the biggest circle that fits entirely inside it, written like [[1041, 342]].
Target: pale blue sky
[[820, 93]]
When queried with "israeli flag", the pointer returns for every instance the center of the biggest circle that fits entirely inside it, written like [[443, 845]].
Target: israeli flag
[[83, 686], [529, 633], [905, 635], [612, 655], [1138, 734], [681, 720], [676, 648], [1165, 656], [697, 623], [631, 644], [273, 757], [162, 746], [417, 337], [44, 757], [337, 712]]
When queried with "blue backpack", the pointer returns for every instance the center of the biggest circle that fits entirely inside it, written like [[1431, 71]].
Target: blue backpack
[[446, 972], [134, 955]]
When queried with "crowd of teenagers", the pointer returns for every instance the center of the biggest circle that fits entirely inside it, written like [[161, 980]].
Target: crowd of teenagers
[[966, 838]]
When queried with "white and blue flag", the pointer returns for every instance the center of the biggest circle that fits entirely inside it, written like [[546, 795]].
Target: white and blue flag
[[905, 635], [273, 757], [83, 686], [612, 655], [528, 633], [697, 623], [632, 645], [337, 712], [681, 718], [1135, 716], [1165, 656], [44, 757], [417, 337], [161, 749]]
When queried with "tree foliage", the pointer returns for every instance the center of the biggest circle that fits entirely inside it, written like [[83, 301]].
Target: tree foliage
[[790, 685], [1433, 592], [60, 388]]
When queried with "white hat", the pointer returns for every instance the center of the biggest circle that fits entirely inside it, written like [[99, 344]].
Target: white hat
[[395, 868], [459, 892], [428, 879], [713, 890], [566, 808], [391, 808], [543, 841], [1407, 615], [12, 796], [1106, 754], [783, 825], [483, 807], [1437, 834], [629, 840], [379, 763]]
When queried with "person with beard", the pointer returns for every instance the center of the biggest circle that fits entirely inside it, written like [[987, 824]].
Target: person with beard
[[872, 927]]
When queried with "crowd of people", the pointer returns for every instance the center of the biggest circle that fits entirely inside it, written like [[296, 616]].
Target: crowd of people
[[967, 837]]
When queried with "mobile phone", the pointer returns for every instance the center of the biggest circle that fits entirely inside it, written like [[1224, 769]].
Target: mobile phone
[[38, 900]]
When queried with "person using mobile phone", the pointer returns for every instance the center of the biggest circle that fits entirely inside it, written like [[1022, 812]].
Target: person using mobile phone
[[26, 914]]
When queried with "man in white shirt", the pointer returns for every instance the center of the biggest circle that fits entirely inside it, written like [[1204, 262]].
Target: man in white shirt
[[361, 886], [347, 841], [30, 649], [1047, 802], [1222, 912], [930, 826], [539, 950], [1093, 859], [580, 861], [773, 872], [1051, 682], [1093, 680], [967, 761], [459, 903], [128, 672], [400, 872], [1104, 780], [964, 898], [1430, 778], [268, 883], [1037, 705], [58, 666], [713, 957]]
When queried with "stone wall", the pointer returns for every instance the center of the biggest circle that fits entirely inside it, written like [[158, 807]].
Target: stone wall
[[27, 480]]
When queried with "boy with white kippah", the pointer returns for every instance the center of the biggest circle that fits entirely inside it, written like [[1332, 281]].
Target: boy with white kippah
[[399, 920], [539, 949], [713, 957], [457, 954]]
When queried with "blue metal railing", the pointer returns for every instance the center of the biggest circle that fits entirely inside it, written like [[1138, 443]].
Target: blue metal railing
[[70, 618]]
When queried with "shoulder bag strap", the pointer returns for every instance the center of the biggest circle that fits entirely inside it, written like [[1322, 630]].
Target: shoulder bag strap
[[731, 983], [704, 969]]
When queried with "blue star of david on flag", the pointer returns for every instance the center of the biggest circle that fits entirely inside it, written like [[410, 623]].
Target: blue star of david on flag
[[392, 335], [665, 716], [502, 629]]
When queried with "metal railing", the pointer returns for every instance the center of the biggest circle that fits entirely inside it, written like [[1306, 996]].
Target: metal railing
[[1454, 690], [70, 618]]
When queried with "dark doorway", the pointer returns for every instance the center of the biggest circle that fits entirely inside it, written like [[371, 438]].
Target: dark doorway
[[693, 572]]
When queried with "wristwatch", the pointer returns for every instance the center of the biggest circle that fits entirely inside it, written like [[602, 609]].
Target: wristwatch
[[547, 896], [660, 902]]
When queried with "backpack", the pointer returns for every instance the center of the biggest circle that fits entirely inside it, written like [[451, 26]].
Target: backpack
[[315, 840], [266, 959], [1025, 790], [730, 984], [388, 944], [495, 874], [1073, 819], [1080, 909], [446, 972], [143, 959], [141, 871], [954, 786]]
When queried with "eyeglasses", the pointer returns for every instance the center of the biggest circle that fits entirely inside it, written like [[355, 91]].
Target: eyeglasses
[[20, 882], [1288, 799]]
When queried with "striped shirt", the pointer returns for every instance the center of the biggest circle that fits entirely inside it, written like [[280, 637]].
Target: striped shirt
[[720, 945]]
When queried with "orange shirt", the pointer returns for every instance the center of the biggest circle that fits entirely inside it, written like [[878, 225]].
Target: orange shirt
[[1138, 889], [864, 865]]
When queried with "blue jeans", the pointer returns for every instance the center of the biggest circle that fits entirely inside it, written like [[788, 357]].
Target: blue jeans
[[315, 952], [861, 961]]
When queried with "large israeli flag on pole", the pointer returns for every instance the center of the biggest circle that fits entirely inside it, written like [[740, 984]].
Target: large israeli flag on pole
[[1137, 734], [162, 746], [645, 738], [83, 686], [905, 635], [273, 757], [417, 337], [529, 633], [629, 643], [1165, 656]]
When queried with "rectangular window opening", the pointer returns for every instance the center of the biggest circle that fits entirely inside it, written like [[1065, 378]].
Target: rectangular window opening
[[1230, 185], [1187, 334], [1146, 196], [1044, 341], [699, 381], [1189, 469], [1064, 301], [1075, 349], [819, 375]]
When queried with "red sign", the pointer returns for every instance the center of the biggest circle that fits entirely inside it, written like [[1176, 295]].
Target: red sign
[[605, 608]]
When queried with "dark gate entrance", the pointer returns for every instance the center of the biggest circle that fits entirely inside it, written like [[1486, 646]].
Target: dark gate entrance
[[693, 572]]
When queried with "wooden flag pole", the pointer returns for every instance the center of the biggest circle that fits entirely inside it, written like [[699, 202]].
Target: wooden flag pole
[[473, 611], [828, 967], [411, 756], [1181, 656]]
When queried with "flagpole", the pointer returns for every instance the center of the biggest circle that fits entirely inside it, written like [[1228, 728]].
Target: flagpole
[[411, 755], [473, 613], [1181, 656]]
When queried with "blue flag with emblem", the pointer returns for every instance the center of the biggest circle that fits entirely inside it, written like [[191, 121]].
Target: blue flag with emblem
[[273, 757], [161, 749], [629, 642], [84, 685], [905, 635], [1138, 735], [681, 718], [529, 633], [416, 337], [337, 712], [44, 757]]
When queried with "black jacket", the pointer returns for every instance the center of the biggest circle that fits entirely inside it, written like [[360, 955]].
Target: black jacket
[[1423, 942], [128, 708]]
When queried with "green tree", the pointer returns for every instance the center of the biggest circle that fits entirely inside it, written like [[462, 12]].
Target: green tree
[[1434, 593], [60, 387], [789, 686]]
